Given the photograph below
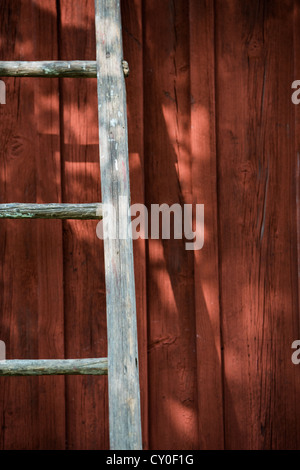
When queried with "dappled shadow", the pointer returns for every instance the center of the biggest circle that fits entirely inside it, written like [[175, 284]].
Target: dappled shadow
[[184, 343], [52, 278], [207, 347]]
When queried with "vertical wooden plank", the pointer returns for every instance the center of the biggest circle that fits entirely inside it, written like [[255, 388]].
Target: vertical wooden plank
[[296, 177], [173, 404], [133, 53], [204, 190], [297, 136], [256, 169], [31, 323], [123, 368], [51, 392], [84, 286]]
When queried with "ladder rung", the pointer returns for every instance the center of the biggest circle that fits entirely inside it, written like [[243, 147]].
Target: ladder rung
[[51, 211], [54, 367], [72, 68]]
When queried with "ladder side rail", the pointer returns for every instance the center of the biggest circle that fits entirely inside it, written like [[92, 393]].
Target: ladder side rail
[[123, 366]]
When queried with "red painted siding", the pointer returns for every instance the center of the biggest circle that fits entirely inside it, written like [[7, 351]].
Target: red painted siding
[[210, 122]]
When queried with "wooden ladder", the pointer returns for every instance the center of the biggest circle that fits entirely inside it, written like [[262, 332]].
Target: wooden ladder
[[121, 365]]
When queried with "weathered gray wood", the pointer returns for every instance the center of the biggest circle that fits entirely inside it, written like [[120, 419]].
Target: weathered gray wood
[[54, 367], [123, 369], [51, 211], [72, 68]]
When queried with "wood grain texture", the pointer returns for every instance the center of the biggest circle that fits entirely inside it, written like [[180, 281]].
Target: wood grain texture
[[51, 211], [72, 68], [133, 51], [172, 362], [204, 191], [54, 367], [295, 180], [84, 283], [123, 365], [31, 319], [247, 175], [53, 69], [256, 202]]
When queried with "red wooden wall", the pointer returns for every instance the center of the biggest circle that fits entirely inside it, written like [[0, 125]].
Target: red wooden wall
[[210, 121]]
